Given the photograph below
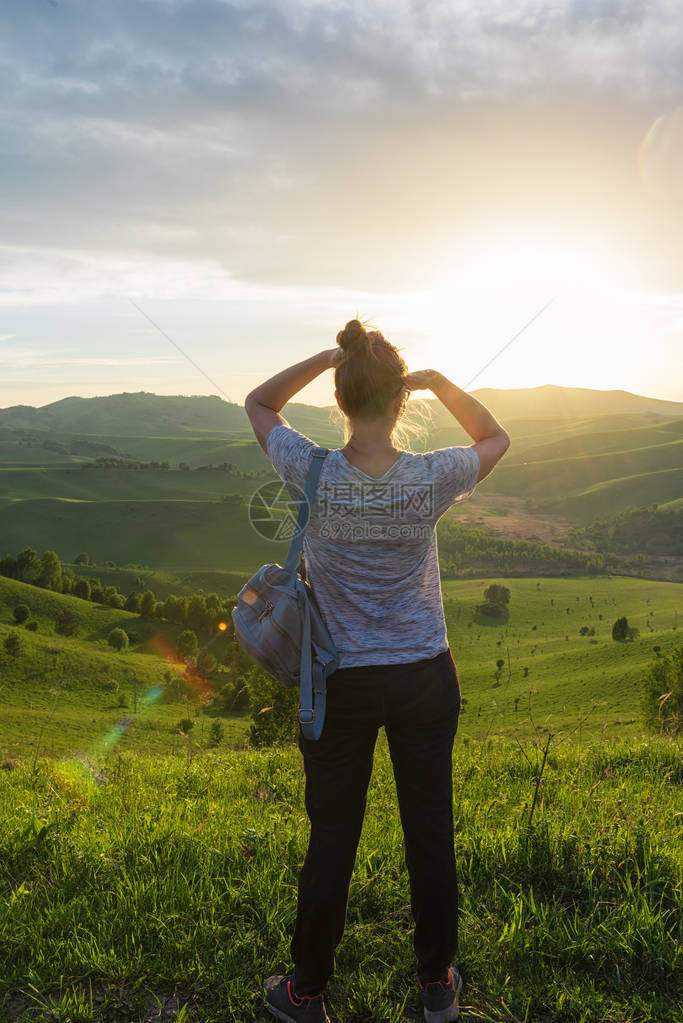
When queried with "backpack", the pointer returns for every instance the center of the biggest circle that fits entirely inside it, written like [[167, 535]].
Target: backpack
[[278, 623]]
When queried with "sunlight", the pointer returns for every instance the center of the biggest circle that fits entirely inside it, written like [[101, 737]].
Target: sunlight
[[480, 304]]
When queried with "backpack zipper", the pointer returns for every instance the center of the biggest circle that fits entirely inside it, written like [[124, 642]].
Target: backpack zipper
[[266, 611]]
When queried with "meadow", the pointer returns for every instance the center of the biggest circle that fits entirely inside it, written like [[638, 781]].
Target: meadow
[[61, 695], [160, 887], [148, 871]]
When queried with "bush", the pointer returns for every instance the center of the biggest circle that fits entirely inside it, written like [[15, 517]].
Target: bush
[[185, 725], [21, 613], [273, 710], [13, 644], [662, 697], [497, 594], [216, 734], [122, 701], [66, 623], [621, 630], [206, 664], [32, 625], [188, 643], [118, 639]]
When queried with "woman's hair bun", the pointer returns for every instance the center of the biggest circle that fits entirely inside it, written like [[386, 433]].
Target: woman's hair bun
[[354, 336]]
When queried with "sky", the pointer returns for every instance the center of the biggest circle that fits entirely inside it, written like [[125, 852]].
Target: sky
[[253, 173]]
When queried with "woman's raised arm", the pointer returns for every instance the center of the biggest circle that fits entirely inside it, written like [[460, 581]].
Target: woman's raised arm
[[491, 440], [263, 404]]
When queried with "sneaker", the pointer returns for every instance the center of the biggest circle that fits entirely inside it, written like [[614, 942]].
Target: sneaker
[[281, 1000], [440, 998]]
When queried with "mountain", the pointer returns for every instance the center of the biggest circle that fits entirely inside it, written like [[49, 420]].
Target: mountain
[[142, 413]]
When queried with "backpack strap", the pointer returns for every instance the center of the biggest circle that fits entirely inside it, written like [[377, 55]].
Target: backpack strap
[[296, 546], [313, 689]]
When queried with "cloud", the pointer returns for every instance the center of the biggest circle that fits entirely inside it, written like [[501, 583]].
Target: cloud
[[302, 141]]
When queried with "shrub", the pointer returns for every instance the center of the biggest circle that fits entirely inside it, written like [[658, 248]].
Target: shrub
[[32, 625], [216, 734], [206, 664], [122, 701], [13, 644], [273, 710], [497, 594], [66, 623], [187, 643], [118, 639], [21, 613], [185, 725], [621, 630], [662, 696]]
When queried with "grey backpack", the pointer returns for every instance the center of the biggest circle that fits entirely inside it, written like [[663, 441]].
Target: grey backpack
[[278, 623]]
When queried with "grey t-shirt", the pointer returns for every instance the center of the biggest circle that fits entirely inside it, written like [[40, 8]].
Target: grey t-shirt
[[370, 546]]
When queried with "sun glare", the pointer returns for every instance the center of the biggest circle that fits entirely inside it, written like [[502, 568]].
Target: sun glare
[[479, 304]]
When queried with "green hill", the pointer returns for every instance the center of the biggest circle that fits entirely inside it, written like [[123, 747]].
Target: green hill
[[68, 687], [63, 693]]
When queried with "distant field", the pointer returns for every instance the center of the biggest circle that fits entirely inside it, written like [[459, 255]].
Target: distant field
[[180, 535]]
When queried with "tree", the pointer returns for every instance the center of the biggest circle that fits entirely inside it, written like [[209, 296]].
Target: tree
[[662, 695], [66, 623], [188, 644], [26, 564], [13, 644], [206, 664], [50, 572], [117, 600], [82, 559], [118, 639], [21, 613], [497, 594], [621, 630], [133, 601], [198, 618], [82, 589], [148, 604]]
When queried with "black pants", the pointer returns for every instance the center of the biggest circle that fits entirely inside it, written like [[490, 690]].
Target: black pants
[[418, 704]]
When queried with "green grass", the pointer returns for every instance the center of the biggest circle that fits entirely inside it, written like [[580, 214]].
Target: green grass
[[94, 485], [591, 684], [181, 535], [134, 878], [569, 674], [60, 696]]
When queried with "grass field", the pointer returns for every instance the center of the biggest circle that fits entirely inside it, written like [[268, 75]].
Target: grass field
[[149, 888], [58, 694]]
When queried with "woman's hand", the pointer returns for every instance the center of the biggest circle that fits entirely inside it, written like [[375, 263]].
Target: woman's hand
[[332, 356], [421, 379]]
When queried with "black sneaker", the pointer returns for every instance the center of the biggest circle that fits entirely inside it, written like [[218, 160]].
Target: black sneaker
[[281, 1000], [440, 998]]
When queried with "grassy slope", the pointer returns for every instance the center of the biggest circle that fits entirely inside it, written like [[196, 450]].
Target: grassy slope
[[566, 676], [58, 683], [121, 484], [155, 876], [188, 535]]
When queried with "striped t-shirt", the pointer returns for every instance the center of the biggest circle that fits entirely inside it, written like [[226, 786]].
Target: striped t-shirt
[[370, 546]]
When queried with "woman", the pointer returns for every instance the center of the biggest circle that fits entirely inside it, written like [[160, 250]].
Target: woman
[[371, 559]]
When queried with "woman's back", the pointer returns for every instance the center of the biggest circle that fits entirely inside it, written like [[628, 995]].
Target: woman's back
[[370, 546]]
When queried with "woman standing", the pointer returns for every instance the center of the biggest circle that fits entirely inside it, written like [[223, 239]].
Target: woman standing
[[371, 559]]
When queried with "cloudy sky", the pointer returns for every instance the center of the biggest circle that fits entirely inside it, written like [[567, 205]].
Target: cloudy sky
[[253, 173]]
